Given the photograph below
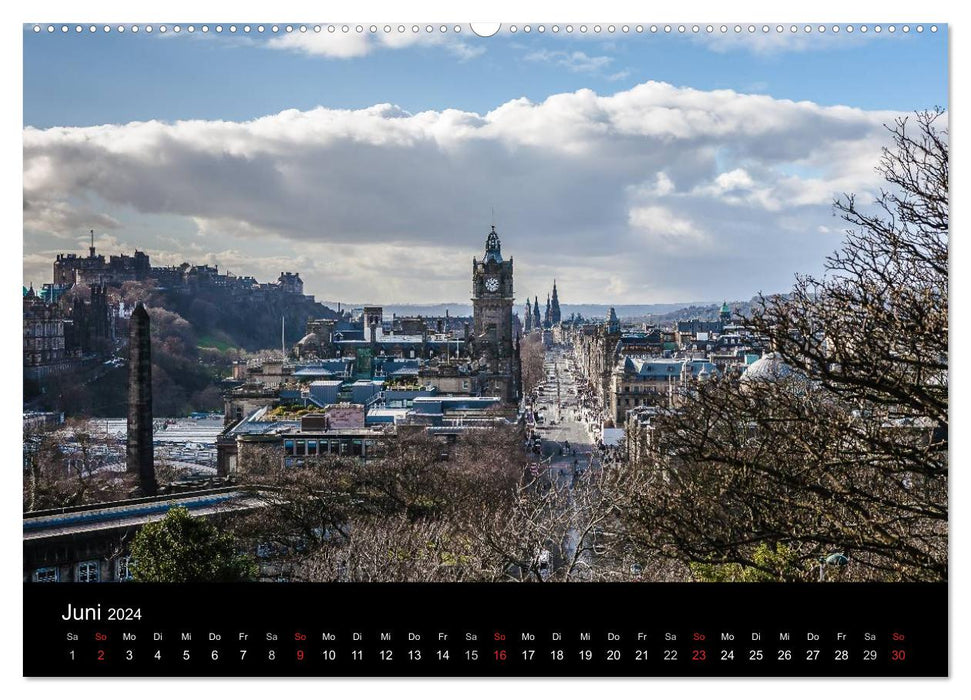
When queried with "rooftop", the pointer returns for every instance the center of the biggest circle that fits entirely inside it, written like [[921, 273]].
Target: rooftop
[[137, 512]]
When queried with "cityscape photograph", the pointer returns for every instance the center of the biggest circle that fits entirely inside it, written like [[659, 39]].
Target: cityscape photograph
[[403, 303]]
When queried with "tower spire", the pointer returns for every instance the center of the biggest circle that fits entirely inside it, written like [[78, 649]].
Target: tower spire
[[91, 249], [493, 247]]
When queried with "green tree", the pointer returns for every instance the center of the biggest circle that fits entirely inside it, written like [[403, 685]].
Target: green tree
[[779, 564], [183, 549]]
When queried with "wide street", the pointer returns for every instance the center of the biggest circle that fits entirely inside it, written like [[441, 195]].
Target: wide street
[[566, 438]]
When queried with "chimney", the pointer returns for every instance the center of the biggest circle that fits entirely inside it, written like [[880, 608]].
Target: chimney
[[140, 452]]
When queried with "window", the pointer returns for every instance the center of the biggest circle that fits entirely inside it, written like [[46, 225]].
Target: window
[[311, 447], [123, 569], [288, 446], [88, 572], [301, 448], [47, 574]]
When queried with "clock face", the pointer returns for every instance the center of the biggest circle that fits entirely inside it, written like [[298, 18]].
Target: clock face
[[492, 284]]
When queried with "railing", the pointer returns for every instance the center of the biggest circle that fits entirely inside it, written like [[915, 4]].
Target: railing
[[376, 398]]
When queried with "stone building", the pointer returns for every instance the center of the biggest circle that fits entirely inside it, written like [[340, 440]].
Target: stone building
[[71, 269], [290, 283], [638, 382], [263, 442], [596, 351], [43, 332], [91, 328], [492, 343]]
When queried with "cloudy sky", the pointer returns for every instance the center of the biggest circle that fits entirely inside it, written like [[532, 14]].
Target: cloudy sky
[[634, 168]]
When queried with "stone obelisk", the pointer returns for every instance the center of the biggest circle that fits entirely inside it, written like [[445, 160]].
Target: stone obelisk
[[141, 453]]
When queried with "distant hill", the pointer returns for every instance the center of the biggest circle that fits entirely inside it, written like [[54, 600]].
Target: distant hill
[[465, 309], [248, 321], [632, 313], [196, 335], [457, 309], [625, 311]]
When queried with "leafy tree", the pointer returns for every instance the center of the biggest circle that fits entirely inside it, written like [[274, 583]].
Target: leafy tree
[[771, 564], [183, 549]]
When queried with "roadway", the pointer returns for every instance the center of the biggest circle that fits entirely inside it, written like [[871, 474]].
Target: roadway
[[566, 439]]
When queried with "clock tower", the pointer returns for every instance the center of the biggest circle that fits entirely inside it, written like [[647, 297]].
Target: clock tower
[[492, 302]]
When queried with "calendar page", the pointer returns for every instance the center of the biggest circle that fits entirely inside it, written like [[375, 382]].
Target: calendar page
[[430, 349]]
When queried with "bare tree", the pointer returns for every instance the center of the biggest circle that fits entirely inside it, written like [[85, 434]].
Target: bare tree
[[532, 354], [71, 465], [398, 517], [846, 451], [551, 531]]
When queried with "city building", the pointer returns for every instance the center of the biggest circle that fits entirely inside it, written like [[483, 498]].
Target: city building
[[44, 343], [91, 543], [492, 347], [653, 382]]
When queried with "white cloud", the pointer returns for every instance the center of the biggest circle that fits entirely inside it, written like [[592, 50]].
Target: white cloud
[[336, 45], [619, 75], [574, 61], [663, 185], [64, 218], [660, 226], [737, 187], [351, 44], [628, 191]]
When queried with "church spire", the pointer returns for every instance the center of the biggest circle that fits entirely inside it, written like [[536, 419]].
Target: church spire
[[555, 316], [613, 323]]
